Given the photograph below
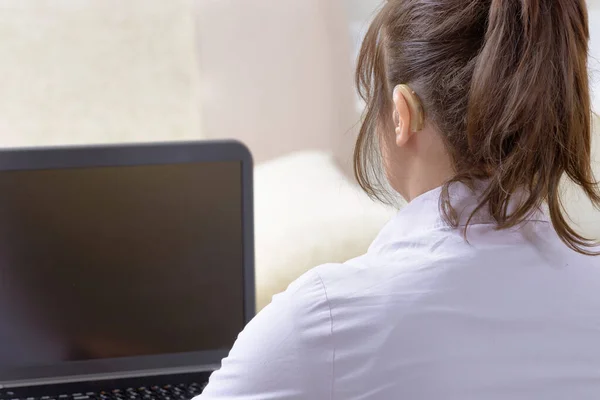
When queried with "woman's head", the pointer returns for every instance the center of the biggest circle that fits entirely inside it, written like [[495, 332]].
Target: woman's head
[[504, 88]]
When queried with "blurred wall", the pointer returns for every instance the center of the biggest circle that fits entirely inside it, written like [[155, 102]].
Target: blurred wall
[[277, 75], [93, 71]]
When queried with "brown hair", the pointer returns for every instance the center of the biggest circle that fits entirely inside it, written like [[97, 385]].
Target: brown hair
[[505, 82]]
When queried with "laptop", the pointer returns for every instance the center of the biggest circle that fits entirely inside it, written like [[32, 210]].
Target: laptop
[[126, 272]]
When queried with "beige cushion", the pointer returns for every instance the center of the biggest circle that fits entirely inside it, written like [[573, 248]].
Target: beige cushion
[[307, 214], [586, 217], [94, 71]]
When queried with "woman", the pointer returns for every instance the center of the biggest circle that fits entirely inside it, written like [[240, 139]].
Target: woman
[[479, 288]]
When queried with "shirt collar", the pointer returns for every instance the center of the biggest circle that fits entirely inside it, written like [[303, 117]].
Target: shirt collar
[[423, 214]]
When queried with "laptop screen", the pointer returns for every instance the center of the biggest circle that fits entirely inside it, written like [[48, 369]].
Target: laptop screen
[[110, 262]]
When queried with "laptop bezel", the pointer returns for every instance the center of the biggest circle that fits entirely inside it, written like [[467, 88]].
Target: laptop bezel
[[137, 155]]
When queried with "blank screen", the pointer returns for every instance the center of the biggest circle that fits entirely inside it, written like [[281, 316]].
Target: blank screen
[[100, 263]]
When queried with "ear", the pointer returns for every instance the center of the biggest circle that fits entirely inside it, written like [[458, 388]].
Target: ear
[[402, 117]]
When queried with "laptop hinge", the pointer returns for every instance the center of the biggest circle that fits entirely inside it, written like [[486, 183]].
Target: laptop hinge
[[106, 376]]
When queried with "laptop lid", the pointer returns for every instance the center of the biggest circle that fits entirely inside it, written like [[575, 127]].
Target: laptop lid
[[121, 261]]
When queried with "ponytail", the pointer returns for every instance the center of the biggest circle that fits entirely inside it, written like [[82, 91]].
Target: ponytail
[[506, 84], [529, 113]]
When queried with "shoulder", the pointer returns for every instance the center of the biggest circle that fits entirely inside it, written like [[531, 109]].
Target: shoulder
[[305, 305], [286, 351], [315, 290]]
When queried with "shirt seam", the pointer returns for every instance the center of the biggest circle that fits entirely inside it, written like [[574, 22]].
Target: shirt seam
[[332, 394]]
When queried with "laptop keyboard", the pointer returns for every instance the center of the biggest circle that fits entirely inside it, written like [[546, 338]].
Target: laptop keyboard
[[181, 391]]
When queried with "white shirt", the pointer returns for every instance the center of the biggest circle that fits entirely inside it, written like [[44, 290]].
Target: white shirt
[[427, 315]]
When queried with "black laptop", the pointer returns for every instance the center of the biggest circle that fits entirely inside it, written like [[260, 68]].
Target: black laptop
[[126, 272]]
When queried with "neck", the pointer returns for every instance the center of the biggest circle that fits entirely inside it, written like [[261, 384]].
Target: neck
[[416, 187], [429, 167]]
